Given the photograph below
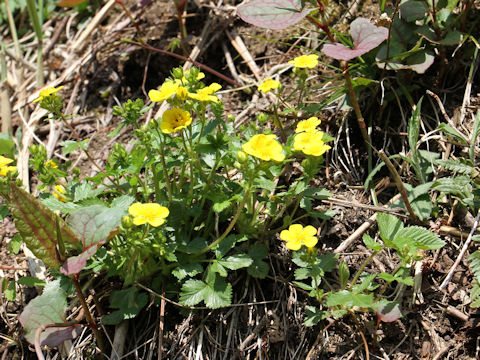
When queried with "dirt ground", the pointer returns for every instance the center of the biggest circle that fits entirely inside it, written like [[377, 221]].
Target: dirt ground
[[107, 71]]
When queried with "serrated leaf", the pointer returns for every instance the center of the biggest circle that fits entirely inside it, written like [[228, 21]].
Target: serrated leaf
[[303, 286], [192, 292], [259, 269], [237, 261], [69, 146], [475, 264], [218, 207], [388, 225], [302, 273], [349, 299], [228, 243], [366, 281], [371, 244], [54, 204], [218, 268], [272, 14], [218, 293], [366, 36], [123, 202], [48, 308], [460, 165], [190, 270], [314, 315], [14, 244], [423, 238], [129, 303], [37, 225]]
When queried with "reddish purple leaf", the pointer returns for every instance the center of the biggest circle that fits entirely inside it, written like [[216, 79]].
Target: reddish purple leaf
[[272, 14], [366, 36], [48, 308], [388, 311], [75, 264]]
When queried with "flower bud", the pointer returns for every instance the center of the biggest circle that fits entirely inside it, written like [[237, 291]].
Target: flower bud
[[242, 157], [177, 73], [262, 117]]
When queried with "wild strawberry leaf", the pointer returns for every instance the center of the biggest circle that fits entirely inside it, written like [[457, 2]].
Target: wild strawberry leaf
[[366, 36], [272, 14], [48, 308]]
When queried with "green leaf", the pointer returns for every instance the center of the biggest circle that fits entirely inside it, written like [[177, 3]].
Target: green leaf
[[349, 299], [10, 293], [190, 270], [228, 243], [423, 238], [70, 146], [15, 244], [48, 308], [31, 281], [218, 293], [37, 225], [259, 269], [192, 292], [475, 264], [129, 303], [413, 133], [327, 262], [303, 286], [448, 130], [388, 226], [237, 261], [218, 268], [7, 146], [314, 315], [344, 273], [475, 132], [460, 165], [371, 243], [218, 207], [302, 273], [411, 10], [366, 281]]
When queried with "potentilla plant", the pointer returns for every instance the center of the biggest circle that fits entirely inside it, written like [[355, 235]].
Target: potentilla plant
[[187, 205]]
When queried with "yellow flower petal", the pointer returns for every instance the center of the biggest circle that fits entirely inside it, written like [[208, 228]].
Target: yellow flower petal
[[167, 90], [268, 84], [308, 125], [4, 170], [174, 120], [151, 213], [305, 61], [294, 245], [264, 147], [4, 161]]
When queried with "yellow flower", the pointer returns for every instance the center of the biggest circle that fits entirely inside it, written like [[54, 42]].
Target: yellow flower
[[51, 164], [297, 235], [175, 119], [48, 91], [264, 147], [153, 214], [305, 61], [268, 84], [205, 94], [182, 92], [167, 90], [4, 169], [308, 125], [58, 192], [310, 143]]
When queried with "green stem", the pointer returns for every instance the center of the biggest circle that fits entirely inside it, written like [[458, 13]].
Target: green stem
[[234, 220], [360, 270], [165, 171]]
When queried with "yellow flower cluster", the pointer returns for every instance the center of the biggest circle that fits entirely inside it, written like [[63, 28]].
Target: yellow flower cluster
[[268, 84], [308, 139], [151, 213], [297, 235], [4, 169], [305, 61], [47, 92], [264, 147], [171, 88]]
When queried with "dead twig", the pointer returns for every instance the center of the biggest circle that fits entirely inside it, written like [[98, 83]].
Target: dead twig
[[445, 282]]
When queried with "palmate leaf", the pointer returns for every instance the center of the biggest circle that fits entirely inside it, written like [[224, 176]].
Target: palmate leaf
[[48, 308], [37, 225], [272, 14], [216, 292]]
